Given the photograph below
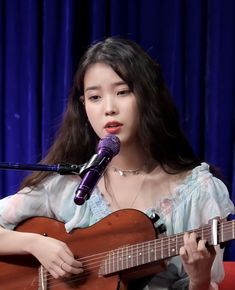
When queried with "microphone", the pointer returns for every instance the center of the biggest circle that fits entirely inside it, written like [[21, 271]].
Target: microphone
[[108, 147]]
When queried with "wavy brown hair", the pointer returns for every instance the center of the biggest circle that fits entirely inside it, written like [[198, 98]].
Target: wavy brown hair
[[159, 128]]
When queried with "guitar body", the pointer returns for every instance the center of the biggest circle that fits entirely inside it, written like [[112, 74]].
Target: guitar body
[[125, 227]]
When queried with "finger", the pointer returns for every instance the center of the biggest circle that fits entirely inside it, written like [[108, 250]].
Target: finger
[[183, 253], [211, 249], [71, 269], [68, 256], [53, 273], [57, 272], [61, 271], [66, 250], [71, 261], [206, 250], [190, 243], [71, 265], [77, 264], [202, 249]]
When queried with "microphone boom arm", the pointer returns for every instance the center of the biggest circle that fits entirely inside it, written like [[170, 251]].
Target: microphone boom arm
[[62, 169]]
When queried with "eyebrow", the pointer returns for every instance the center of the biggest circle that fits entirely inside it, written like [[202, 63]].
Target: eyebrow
[[98, 87]]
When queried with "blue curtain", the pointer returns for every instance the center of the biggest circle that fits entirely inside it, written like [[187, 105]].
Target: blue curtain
[[41, 43]]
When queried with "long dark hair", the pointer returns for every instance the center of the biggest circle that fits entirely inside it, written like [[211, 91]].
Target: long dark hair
[[159, 128]]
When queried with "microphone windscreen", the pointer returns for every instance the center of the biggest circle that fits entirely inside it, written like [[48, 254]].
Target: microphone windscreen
[[110, 142]]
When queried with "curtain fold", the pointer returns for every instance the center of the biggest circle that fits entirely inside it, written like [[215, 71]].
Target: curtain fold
[[41, 43]]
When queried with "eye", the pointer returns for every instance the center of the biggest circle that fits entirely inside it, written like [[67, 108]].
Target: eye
[[124, 92], [94, 98]]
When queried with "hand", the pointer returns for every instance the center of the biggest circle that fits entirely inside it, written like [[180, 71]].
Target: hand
[[55, 256], [197, 260]]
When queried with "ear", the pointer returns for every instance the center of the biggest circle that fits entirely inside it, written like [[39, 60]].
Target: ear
[[82, 100]]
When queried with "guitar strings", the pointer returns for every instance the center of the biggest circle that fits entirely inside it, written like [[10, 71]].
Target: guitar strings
[[133, 246], [95, 260]]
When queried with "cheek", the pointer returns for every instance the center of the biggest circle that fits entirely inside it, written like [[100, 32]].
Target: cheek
[[135, 118], [133, 112], [90, 112], [93, 119]]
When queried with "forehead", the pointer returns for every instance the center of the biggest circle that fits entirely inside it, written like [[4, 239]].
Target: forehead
[[101, 74]]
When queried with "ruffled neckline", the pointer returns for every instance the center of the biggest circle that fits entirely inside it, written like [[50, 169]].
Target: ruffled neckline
[[167, 203], [183, 191]]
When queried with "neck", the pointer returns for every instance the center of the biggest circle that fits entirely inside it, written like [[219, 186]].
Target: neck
[[130, 158]]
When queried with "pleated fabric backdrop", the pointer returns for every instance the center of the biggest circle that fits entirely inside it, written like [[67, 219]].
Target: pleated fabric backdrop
[[41, 43]]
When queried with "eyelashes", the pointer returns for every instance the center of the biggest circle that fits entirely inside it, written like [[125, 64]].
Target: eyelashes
[[95, 98]]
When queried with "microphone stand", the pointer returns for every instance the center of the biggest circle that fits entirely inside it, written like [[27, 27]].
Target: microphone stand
[[62, 169]]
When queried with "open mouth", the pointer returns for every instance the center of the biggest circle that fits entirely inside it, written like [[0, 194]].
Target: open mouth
[[113, 128]]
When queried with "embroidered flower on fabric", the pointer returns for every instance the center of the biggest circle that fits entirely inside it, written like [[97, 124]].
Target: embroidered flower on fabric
[[166, 205]]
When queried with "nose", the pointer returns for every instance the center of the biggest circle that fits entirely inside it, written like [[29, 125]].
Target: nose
[[110, 107]]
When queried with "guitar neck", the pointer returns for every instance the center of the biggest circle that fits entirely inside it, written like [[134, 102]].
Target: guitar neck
[[159, 249]]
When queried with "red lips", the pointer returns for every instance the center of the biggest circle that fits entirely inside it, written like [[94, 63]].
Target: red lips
[[113, 127]]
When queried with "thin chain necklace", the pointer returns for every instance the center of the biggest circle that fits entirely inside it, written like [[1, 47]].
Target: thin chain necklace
[[138, 192], [125, 172]]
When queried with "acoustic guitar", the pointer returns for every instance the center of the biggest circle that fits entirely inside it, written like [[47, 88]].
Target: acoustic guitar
[[121, 247]]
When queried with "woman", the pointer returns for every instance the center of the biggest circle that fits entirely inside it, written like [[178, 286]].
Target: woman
[[119, 89]]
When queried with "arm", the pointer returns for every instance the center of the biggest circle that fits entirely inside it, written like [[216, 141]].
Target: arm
[[14, 242], [54, 255], [209, 198], [43, 201]]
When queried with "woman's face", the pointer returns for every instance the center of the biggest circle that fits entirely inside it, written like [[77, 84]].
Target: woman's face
[[110, 105]]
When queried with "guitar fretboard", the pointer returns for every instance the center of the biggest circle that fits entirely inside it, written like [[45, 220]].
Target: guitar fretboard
[[159, 249]]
